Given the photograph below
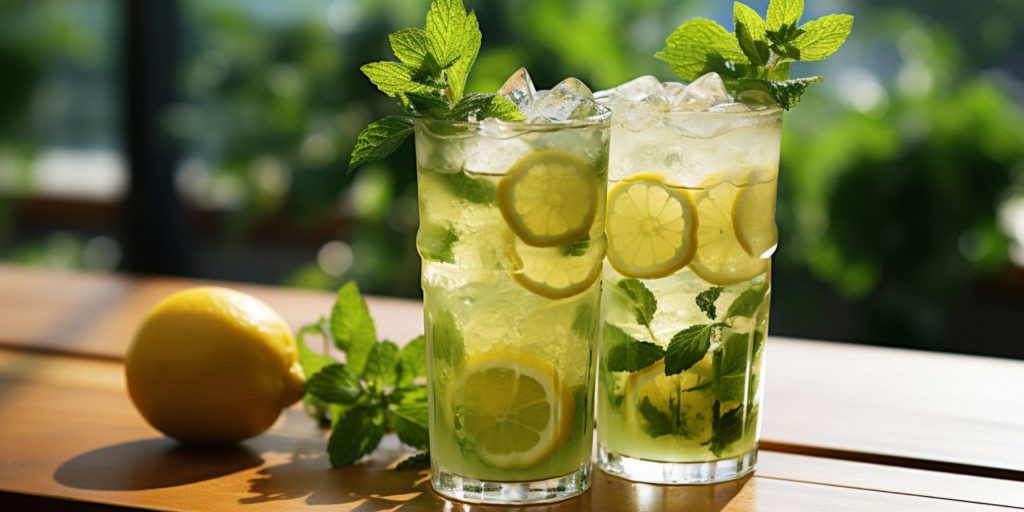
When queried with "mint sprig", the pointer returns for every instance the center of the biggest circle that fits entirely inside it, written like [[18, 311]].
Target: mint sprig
[[757, 55], [375, 391], [429, 80]]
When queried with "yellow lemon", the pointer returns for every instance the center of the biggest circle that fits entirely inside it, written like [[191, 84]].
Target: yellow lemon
[[556, 273], [513, 408], [651, 227], [549, 198], [211, 365], [721, 259]]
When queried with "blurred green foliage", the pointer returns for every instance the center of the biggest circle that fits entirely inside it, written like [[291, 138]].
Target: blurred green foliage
[[892, 175]]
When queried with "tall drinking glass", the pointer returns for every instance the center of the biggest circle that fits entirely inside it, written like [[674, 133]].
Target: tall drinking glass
[[511, 237], [691, 231]]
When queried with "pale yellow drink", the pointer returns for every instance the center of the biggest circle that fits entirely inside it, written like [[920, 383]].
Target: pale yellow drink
[[691, 232], [511, 236]]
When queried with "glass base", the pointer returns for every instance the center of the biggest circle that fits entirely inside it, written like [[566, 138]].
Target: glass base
[[511, 493], [649, 471]]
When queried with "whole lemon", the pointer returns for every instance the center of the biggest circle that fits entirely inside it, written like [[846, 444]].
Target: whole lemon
[[211, 365]]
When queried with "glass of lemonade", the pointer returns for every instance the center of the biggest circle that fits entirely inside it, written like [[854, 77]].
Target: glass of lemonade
[[511, 237], [691, 231]]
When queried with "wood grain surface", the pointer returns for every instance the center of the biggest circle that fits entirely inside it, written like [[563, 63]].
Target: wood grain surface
[[68, 431]]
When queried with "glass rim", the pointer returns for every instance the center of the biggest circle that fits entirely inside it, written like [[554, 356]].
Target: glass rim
[[604, 118]]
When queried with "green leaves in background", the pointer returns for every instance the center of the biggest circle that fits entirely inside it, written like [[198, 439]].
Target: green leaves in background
[[429, 80], [757, 55], [375, 391]]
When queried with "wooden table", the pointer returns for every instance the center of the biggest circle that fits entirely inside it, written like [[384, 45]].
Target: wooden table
[[845, 428]]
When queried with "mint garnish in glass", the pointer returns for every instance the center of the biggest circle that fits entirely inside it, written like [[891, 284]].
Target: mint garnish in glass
[[754, 60], [429, 80]]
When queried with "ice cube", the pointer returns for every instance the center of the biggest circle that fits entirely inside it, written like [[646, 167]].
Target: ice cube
[[704, 92], [568, 100], [519, 88], [636, 89]]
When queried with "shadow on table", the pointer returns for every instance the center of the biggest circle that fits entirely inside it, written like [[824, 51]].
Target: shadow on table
[[152, 464], [371, 486]]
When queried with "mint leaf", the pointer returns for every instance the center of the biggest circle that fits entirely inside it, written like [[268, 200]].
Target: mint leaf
[[335, 384], [750, 33], [628, 354], [382, 365], [758, 343], [419, 461], [437, 243], [407, 414], [585, 322], [478, 106], [501, 108], [782, 41], [412, 361], [378, 140], [823, 36], [477, 191], [577, 248], [787, 94], [656, 422], [412, 48], [752, 413], [428, 104], [352, 327], [784, 12], [699, 46], [730, 364], [748, 302], [687, 347], [393, 78], [356, 433], [453, 36], [726, 428], [446, 340], [642, 301], [310, 360], [581, 397], [706, 301]]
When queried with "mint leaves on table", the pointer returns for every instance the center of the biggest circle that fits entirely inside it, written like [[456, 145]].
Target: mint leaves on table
[[429, 80], [376, 389], [757, 55]]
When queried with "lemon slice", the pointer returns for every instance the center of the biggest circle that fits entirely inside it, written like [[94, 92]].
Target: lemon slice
[[556, 274], [651, 227], [753, 218], [513, 408], [549, 198], [683, 397], [720, 259]]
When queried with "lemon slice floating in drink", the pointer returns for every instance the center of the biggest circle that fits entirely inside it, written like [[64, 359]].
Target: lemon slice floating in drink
[[549, 198], [721, 259], [651, 227], [556, 273], [513, 408], [753, 219]]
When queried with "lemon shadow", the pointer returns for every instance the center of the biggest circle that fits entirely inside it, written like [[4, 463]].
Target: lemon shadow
[[152, 464]]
